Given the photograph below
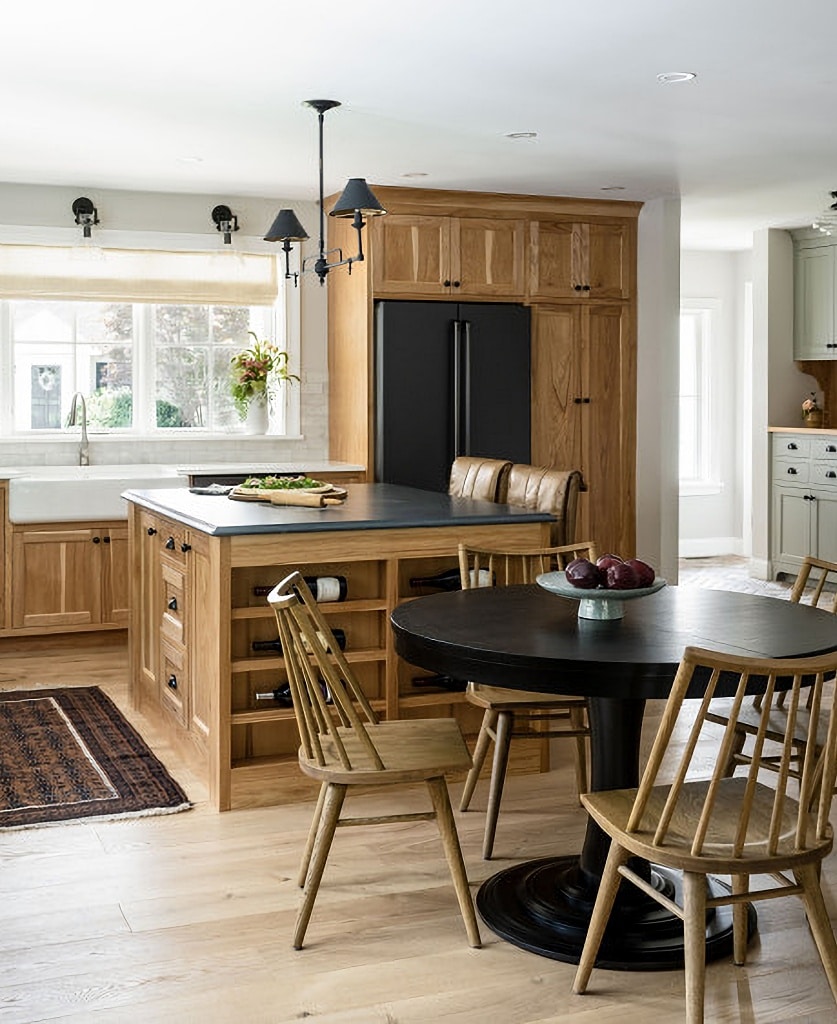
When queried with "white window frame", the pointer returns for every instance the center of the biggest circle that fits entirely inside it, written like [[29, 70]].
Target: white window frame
[[705, 313]]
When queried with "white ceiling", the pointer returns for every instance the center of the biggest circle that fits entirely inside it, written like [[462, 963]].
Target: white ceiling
[[206, 96]]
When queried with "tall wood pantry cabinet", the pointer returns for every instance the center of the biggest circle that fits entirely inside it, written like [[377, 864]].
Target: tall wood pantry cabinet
[[573, 261]]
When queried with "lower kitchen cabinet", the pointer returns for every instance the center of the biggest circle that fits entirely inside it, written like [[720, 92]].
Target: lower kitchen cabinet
[[804, 500], [69, 576]]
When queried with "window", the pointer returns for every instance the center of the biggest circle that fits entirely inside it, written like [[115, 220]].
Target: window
[[696, 449], [141, 366], [146, 336]]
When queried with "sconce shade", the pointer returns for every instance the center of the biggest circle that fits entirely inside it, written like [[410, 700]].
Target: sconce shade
[[286, 226], [357, 195]]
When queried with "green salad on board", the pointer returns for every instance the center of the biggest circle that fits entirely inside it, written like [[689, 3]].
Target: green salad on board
[[281, 483]]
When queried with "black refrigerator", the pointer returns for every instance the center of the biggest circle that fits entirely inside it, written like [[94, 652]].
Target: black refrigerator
[[451, 379]]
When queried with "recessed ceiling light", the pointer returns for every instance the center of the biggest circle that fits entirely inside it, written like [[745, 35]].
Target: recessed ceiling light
[[190, 159], [612, 188], [673, 77], [414, 174], [521, 135]]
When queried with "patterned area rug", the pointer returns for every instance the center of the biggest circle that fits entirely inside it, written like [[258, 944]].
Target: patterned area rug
[[68, 754]]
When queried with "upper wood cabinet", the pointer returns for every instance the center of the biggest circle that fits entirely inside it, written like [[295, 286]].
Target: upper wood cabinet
[[815, 302], [430, 256], [582, 260]]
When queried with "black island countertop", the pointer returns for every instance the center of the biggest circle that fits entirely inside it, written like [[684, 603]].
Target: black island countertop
[[367, 507]]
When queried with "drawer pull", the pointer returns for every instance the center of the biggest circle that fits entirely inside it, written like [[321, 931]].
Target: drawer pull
[[809, 497], [172, 682], [831, 448], [792, 471], [792, 447], [831, 474], [185, 547], [151, 531], [170, 544], [173, 604]]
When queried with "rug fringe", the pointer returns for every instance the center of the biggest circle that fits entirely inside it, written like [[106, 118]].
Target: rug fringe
[[148, 812]]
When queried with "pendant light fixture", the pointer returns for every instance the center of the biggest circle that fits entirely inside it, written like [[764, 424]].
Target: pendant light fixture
[[827, 220], [356, 201]]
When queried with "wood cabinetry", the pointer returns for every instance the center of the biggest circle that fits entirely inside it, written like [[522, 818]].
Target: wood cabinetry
[[197, 617], [69, 576], [581, 260], [815, 300], [583, 383], [431, 256], [804, 500]]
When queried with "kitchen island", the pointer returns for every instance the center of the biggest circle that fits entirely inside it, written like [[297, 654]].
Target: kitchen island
[[200, 568]]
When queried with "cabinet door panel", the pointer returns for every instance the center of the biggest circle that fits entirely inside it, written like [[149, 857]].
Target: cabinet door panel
[[487, 257], [116, 579], [56, 578], [825, 525], [554, 252], [791, 526], [606, 261], [814, 297], [556, 387], [608, 451], [411, 255]]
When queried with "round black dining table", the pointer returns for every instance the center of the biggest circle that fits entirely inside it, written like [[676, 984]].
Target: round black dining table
[[524, 637]]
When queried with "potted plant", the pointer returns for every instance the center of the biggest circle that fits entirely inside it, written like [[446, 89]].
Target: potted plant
[[253, 370]]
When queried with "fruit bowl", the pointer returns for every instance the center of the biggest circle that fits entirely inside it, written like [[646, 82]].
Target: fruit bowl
[[598, 603]]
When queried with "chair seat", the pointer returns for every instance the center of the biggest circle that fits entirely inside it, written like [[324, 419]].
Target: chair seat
[[497, 698], [611, 810], [422, 748]]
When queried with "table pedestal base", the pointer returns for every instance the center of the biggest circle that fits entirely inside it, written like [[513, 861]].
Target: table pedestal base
[[545, 906]]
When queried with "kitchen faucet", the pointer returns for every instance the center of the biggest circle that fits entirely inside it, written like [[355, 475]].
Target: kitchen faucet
[[74, 421]]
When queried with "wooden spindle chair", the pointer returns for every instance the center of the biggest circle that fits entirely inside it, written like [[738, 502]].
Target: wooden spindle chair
[[735, 826], [814, 586], [343, 744], [514, 714]]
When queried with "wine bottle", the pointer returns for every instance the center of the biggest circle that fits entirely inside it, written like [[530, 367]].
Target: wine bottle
[[276, 645], [450, 579], [282, 695], [324, 588], [440, 683]]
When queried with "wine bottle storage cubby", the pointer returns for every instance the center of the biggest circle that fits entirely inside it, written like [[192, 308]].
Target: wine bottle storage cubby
[[411, 568], [365, 580]]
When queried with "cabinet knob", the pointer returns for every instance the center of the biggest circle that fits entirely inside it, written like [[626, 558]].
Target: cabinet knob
[[171, 682], [586, 401], [576, 287], [185, 547], [585, 287], [151, 531], [456, 284], [96, 540], [173, 604], [170, 544], [106, 540], [446, 283], [809, 497], [577, 401]]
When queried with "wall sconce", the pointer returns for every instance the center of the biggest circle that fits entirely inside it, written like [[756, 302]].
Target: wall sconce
[[356, 200], [225, 220], [827, 220], [86, 214]]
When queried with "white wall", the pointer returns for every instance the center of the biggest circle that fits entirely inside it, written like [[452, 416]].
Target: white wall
[[658, 270], [46, 209]]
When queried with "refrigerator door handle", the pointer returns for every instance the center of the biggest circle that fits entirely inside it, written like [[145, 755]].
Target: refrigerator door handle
[[466, 384], [457, 388]]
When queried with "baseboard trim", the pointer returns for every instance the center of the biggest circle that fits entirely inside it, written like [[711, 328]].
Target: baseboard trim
[[711, 547]]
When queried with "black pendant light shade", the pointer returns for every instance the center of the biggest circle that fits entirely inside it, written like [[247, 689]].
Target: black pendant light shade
[[357, 196], [286, 227], [356, 201]]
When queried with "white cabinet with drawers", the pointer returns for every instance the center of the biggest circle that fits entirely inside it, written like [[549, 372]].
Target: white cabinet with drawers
[[804, 499]]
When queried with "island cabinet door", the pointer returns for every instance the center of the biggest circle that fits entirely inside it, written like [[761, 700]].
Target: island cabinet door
[[57, 577]]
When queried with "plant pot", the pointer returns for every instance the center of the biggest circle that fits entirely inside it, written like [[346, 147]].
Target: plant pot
[[814, 419]]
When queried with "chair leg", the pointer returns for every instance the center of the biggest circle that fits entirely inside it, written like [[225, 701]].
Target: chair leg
[[489, 720], [694, 942], [332, 804], [740, 883], [808, 878], [581, 776], [608, 888], [312, 835], [450, 841], [739, 739], [502, 741]]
